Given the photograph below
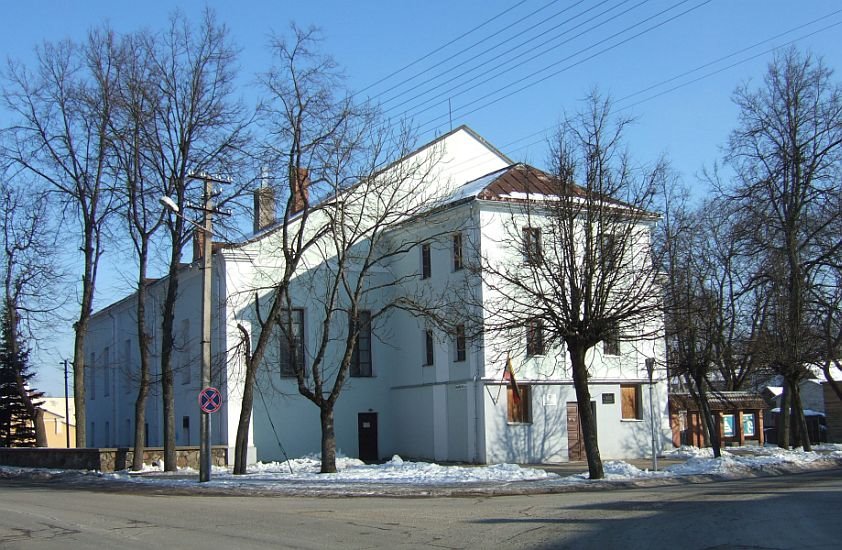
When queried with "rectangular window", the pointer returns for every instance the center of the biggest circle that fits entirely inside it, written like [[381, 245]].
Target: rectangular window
[[361, 357], [291, 324], [461, 343], [609, 251], [457, 252], [428, 348], [631, 402], [185, 426], [127, 365], [92, 374], [535, 337], [184, 344], [106, 373], [426, 262], [611, 344], [532, 245], [519, 405]]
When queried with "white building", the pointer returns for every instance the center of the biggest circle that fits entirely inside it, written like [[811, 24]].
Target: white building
[[420, 393]]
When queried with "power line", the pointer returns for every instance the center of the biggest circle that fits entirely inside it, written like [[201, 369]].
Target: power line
[[579, 62], [436, 88], [488, 50], [443, 46]]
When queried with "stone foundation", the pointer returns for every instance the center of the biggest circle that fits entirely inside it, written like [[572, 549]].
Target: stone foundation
[[103, 460]]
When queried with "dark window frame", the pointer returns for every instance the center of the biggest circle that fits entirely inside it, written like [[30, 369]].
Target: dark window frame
[[361, 356], [426, 261], [291, 357], [535, 337], [611, 343], [532, 251], [458, 253], [461, 344], [429, 348]]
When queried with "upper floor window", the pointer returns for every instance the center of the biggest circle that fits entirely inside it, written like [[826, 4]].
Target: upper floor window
[[532, 245], [361, 356], [611, 343], [428, 348], [457, 252], [426, 262], [106, 372], [535, 337], [610, 252], [92, 374], [291, 323], [461, 343]]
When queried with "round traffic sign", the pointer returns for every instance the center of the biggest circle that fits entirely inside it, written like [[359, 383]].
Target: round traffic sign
[[210, 400]]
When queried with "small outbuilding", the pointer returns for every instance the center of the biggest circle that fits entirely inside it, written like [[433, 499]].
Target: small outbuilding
[[738, 414]]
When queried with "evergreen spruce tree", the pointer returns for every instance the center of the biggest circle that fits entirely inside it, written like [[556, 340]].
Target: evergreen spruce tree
[[18, 402]]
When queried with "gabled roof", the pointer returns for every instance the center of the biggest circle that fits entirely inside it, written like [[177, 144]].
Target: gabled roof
[[521, 182]]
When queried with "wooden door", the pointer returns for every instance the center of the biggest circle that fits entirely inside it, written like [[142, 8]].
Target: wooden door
[[575, 440]]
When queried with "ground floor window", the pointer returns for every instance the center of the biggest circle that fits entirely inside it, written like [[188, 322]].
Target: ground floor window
[[519, 404], [631, 402]]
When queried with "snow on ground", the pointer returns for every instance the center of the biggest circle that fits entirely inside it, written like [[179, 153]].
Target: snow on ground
[[407, 476]]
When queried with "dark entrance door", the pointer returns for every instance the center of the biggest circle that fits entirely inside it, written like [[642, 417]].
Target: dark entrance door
[[575, 439], [367, 434]]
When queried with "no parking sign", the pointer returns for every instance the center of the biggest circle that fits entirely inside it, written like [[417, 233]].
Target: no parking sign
[[210, 400]]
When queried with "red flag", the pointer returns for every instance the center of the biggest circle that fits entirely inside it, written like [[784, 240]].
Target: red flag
[[509, 376]]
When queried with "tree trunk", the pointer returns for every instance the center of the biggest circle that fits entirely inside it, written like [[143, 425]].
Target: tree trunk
[[328, 439], [40, 429], [143, 381], [586, 417], [799, 420], [79, 366], [241, 445], [167, 344], [711, 427], [783, 417]]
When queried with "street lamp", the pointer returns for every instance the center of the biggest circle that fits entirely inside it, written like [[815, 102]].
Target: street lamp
[[650, 370], [207, 251]]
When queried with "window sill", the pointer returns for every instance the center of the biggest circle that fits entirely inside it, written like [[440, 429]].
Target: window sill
[[519, 423], [631, 420]]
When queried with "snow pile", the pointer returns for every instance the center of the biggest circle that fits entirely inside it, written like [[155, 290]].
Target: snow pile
[[397, 470]]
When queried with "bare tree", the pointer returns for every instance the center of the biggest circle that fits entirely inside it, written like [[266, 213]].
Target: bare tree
[[786, 154], [593, 279], [137, 99], [196, 126], [339, 210], [303, 111], [61, 135], [30, 282]]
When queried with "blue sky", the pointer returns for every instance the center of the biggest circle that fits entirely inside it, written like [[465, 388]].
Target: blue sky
[[646, 44]]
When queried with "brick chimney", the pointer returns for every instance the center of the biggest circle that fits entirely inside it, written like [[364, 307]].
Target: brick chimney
[[264, 208], [299, 187]]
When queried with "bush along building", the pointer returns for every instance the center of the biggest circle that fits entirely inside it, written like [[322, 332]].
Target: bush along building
[[391, 286]]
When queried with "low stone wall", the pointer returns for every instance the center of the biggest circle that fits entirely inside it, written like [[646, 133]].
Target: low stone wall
[[103, 460]]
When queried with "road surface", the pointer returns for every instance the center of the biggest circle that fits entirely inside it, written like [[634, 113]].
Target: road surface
[[792, 511]]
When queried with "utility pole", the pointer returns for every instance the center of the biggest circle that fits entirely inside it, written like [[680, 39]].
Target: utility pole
[[66, 407], [206, 228], [207, 266], [650, 369]]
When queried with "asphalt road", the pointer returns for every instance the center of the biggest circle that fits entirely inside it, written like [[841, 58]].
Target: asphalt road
[[792, 511]]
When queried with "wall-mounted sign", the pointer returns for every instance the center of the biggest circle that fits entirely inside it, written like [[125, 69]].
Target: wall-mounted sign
[[728, 425], [607, 398], [748, 424]]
